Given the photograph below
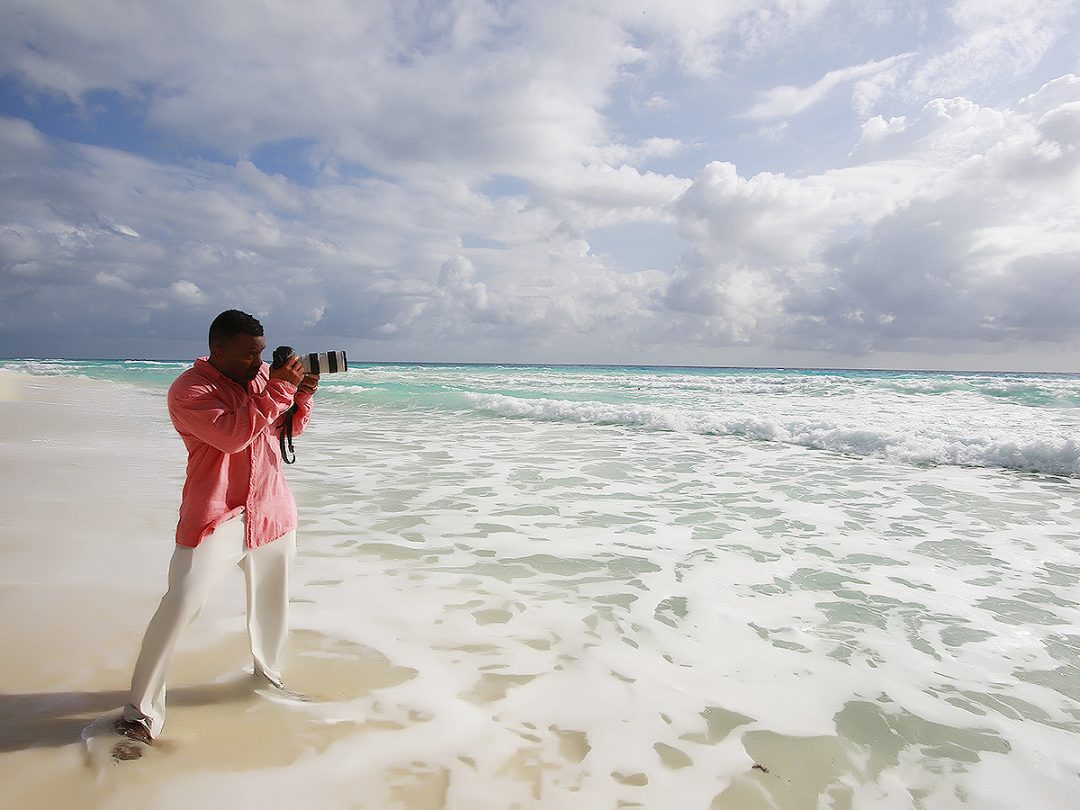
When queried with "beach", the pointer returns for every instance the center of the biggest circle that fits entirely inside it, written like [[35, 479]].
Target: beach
[[572, 589]]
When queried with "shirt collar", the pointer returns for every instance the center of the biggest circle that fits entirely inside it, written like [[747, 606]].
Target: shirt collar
[[204, 366]]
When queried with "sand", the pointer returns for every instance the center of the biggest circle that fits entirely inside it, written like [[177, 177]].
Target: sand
[[92, 480]]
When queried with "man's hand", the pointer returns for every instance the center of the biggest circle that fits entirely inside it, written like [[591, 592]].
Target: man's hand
[[291, 372], [309, 384]]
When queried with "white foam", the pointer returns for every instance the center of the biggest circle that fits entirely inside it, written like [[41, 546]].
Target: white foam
[[911, 438], [883, 623]]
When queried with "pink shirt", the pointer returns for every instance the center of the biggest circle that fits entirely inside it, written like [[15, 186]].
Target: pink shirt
[[234, 460]]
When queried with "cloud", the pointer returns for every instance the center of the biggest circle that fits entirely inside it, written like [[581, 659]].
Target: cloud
[[787, 101], [375, 260], [113, 281], [187, 292], [346, 175], [779, 219], [958, 227], [21, 140], [993, 43], [876, 129], [395, 86], [472, 87], [702, 37], [735, 303], [657, 102]]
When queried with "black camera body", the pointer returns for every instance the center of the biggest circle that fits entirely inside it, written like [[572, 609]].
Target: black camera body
[[315, 363]]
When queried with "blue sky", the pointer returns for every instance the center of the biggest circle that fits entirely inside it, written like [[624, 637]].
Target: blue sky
[[796, 182]]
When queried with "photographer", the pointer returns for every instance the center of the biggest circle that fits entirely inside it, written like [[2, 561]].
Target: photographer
[[236, 507]]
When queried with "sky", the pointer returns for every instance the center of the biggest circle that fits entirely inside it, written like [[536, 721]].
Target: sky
[[856, 183]]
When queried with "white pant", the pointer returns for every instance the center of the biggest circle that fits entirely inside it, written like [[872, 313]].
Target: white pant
[[192, 572]]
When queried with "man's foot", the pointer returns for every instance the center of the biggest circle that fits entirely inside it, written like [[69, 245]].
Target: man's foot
[[133, 730]]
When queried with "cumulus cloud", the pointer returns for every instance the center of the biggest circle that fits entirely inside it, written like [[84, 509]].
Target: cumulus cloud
[[737, 303], [957, 227], [779, 219]]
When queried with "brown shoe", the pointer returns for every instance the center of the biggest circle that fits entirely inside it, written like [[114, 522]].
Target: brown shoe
[[133, 730]]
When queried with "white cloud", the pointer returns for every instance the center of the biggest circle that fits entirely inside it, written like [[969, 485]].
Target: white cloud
[[701, 36], [20, 139], [994, 42], [187, 292], [113, 281], [873, 93], [616, 154], [657, 102], [771, 132], [598, 195], [405, 86], [877, 128], [773, 218], [958, 227], [125, 231], [737, 303], [788, 100], [404, 115], [368, 260], [275, 189]]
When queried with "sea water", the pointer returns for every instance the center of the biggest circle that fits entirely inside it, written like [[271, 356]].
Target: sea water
[[585, 587]]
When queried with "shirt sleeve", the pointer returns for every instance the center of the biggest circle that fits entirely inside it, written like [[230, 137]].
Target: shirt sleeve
[[303, 412], [300, 418], [230, 430]]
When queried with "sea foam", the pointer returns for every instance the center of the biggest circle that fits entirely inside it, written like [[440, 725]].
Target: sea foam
[[933, 442]]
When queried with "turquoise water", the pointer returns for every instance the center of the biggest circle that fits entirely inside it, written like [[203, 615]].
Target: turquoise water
[[1025, 422]]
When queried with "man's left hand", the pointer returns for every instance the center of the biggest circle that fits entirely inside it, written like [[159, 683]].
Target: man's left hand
[[309, 384]]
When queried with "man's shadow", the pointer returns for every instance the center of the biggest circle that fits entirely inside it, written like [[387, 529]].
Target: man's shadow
[[55, 719]]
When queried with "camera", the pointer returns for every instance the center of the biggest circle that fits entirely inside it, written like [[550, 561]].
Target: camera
[[314, 363]]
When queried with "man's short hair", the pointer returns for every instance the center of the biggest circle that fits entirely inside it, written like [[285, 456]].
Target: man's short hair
[[233, 322]]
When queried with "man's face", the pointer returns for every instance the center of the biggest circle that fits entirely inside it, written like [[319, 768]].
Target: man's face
[[239, 358]]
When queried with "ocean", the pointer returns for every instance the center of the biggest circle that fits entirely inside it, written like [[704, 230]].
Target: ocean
[[600, 587]]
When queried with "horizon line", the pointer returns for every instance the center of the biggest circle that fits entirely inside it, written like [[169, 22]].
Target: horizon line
[[581, 365]]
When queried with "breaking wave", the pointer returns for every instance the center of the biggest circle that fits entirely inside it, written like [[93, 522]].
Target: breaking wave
[[935, 441]]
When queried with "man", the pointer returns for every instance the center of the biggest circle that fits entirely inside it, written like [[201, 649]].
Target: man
[[236, 507]]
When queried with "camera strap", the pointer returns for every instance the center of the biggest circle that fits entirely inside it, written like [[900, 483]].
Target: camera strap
[[285, 436]]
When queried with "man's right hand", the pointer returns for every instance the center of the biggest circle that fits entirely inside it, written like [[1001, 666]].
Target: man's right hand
[[291, 372]]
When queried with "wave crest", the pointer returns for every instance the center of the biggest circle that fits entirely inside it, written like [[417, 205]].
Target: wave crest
[[946, 443]]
